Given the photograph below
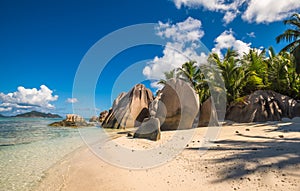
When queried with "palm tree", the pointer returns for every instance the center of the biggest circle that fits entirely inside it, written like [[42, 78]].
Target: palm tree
[[189, 72], [255, 70], [282, 75], [168, 75], [293, 37], [193, 74], [234, 74]]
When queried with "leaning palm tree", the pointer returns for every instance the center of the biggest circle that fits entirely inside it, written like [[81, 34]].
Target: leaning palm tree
[[292, 36]]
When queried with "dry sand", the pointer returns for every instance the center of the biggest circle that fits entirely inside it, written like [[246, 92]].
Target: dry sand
[[244, 157]]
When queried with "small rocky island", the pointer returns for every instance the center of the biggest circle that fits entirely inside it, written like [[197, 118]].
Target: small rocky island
[[72, 120]]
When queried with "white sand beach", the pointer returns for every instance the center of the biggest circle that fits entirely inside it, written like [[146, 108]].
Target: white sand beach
[[257, 156]]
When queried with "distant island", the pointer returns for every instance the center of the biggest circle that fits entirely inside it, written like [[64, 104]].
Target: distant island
[[35, 114], [2, 115]]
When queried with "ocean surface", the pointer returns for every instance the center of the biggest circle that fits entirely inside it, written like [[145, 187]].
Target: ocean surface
[[28, 147]]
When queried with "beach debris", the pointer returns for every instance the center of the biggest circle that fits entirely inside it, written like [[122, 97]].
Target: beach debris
[[280, 136]]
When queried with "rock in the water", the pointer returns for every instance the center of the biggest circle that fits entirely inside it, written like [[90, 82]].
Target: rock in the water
[[178, 105], [72, 120], [262, 106], [129, 109], [150, 129], [208, 114], [93, 119], [102, 116]]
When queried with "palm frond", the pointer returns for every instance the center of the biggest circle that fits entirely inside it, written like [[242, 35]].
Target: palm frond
[[290, 47], [288, 35]]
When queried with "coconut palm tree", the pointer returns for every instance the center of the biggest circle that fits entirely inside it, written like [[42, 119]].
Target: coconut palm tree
[[168, 75], [233, 73], [293, 37], [193, 74], [282, 75], [255, 67]]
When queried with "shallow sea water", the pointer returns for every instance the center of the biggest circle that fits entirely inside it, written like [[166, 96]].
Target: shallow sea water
[[28, 147]]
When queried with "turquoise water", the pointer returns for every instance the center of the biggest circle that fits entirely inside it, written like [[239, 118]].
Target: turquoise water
[[28, 147]]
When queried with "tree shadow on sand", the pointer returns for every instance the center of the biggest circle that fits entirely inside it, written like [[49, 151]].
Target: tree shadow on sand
[[257, 154]]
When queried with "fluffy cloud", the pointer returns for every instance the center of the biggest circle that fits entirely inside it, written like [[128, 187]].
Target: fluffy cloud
[[230, 8], [267, 11], [72, 100], [183, 42], [259, 11], [186, 31], [227, 40], [212, 5], [24, 99], [229, 16]]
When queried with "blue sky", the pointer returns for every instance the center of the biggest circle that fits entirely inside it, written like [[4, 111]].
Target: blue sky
[[43, 42]]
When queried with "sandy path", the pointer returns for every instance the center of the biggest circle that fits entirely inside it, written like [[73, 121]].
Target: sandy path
[[245, 157]]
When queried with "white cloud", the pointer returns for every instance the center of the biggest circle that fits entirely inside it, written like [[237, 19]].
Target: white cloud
[[212, 5], [251, 34], [186, 31], [230, 8], [227, 40], [267, 11], [229, 16], [184, 40], [28, 99], [72, 100], [259, 11], [5, 109]]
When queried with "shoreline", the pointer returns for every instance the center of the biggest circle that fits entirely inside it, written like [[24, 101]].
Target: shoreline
[[245, 157]]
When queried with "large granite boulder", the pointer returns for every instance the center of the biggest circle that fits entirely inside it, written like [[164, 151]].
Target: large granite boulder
[[296, 111], [178, 105], [129, 109], [102, 116], [150, 129], [262, 106], [208, 114]]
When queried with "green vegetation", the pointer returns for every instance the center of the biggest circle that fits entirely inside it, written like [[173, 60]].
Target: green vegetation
[[255, 70], [293, 36]]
